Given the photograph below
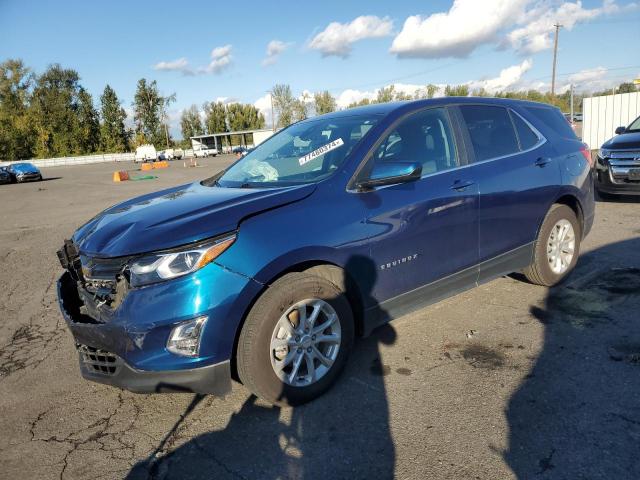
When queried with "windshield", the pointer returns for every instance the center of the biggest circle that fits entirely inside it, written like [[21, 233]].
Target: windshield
[[635, 126], [303, 153]]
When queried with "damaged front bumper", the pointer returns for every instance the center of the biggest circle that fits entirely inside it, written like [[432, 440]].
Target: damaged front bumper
[[126, 346]]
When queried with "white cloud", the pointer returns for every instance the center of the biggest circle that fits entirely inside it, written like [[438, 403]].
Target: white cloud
[[456, 33], [349, 96], [537, 35], [179, 65], [508, 78], [591, 80], [264, 105], [337, 38], [220, 60], [523, 25], [274, 50]]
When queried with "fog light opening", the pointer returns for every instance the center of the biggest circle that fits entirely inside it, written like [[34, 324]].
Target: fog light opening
[[185, 337]]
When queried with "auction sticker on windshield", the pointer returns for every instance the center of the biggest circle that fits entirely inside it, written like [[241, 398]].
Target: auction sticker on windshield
[[321, 151]]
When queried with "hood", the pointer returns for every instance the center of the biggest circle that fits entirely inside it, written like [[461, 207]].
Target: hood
[[24, 168], [177, 216], [623, 141]]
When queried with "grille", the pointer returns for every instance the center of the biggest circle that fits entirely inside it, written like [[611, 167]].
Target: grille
[[621, 163], [630, 154], [98, 361]]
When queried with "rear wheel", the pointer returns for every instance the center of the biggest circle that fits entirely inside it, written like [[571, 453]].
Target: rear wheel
[[295, 340], [556, 248]]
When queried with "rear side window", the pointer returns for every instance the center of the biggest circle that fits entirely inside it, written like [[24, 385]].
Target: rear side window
[[527, 137], [491, 131], [554, 120]]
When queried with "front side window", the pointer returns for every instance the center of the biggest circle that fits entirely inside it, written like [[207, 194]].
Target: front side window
[[491, 131], [305, 152], [424, 137]]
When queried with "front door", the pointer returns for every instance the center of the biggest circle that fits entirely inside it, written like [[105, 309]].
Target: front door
[[424, 230]]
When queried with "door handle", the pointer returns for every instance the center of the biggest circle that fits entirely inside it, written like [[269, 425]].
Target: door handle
[[542, 161], [461, 185]]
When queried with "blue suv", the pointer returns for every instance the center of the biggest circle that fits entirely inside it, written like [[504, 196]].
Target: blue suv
[[265, 272]]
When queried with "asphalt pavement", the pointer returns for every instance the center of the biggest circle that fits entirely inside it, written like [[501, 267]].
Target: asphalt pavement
[[506, 381]]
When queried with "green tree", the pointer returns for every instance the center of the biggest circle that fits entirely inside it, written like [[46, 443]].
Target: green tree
[[360, 103], [164, 117], [480, 92], [215, 117], [456, 91], [191, 123], [148, 108], [283, 104], [254, 118], [301, 107], [16, 134], [324, 102], [244, 116], [54, 113], [88, 129], [386, 94], [626, 87], [432, 90], [113, 134]]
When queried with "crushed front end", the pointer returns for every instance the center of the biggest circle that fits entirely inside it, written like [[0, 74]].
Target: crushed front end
[[130, 337]]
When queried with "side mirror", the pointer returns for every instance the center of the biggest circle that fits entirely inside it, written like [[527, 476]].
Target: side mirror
[[391, 174], [620, 130]]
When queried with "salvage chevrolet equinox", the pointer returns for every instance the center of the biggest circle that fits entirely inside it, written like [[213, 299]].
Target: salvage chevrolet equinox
[[265, 272]]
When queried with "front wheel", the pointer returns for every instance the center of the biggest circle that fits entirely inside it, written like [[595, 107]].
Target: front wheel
[[556, 248], [295, 340]]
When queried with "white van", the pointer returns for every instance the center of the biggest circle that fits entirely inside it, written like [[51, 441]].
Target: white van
[[145, 153]]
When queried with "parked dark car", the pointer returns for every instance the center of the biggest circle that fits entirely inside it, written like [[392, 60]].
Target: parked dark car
[[5, 176], [24, 172], [618, 162], [267, 271], [240, 151]]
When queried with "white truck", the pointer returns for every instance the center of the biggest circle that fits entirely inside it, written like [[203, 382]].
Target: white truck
[[205, 151], [146, 153]]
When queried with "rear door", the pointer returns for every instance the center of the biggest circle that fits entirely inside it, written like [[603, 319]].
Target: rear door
[[427, 229], [518, 178]]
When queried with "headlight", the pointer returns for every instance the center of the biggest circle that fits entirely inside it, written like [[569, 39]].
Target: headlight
[[157, 267], [603, 153]]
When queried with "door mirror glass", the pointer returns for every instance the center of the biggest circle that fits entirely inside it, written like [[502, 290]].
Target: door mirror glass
[[392, 173], [620, 130]]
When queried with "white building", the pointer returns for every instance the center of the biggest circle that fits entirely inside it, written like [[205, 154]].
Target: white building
[[226, 141], [602, 115]]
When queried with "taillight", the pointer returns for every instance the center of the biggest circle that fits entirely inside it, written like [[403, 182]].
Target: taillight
[[587, 155]]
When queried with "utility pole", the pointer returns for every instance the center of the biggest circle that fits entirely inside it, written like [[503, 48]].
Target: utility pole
[[571, 90], [555, 58], [273, 124]]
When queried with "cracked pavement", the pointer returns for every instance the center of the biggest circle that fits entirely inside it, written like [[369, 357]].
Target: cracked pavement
[[506, 381]]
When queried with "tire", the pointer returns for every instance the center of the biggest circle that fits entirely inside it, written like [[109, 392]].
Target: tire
[[255, 356], [540, 271]]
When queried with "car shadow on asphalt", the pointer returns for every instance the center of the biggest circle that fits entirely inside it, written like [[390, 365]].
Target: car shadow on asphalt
[[345, 433], [577, 413]]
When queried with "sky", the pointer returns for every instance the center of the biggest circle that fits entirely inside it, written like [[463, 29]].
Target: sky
[[236, 51]]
